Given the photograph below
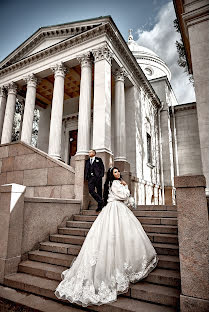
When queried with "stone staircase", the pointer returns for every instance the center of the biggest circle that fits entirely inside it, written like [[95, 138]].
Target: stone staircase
[[159, 292]]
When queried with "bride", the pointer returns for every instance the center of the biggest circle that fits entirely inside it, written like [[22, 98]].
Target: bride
[[116, 251]]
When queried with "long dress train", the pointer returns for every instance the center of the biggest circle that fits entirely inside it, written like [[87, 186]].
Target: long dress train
[[116, 251]]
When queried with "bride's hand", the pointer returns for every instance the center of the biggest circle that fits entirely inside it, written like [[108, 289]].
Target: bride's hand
[[123, 182]]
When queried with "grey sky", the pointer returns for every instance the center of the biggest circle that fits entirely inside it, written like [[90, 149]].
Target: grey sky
[[21, 18]]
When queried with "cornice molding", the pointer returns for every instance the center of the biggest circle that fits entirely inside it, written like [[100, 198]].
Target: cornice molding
[[123, 49]]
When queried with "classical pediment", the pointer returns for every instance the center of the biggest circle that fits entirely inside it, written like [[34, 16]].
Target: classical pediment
[[45, 37]]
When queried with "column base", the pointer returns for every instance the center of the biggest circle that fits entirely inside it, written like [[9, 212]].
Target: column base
[[168, 194], [191, 304], [81, 186]]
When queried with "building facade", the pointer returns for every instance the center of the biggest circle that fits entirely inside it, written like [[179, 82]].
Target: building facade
[[94, 90]]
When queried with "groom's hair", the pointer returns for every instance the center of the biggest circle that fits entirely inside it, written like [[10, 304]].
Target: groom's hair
[[93, 151]]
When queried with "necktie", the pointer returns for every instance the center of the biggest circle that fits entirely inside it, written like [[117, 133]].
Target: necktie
[[91, 161]]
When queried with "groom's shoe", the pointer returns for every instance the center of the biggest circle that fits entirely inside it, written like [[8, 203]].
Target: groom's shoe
[[99, 208]]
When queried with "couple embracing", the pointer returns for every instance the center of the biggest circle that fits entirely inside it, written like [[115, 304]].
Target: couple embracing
[[116, 251]]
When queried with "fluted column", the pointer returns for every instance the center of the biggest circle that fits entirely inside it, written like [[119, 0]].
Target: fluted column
[[9, 114], [3, 100], [84, 119], [29, 109], [55, 133], [102, 99], [120, 119]]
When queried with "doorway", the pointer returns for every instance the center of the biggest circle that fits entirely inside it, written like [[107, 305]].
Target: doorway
[[73, 134]]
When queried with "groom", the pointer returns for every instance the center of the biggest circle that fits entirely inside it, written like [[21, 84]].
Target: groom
[[94, 171]]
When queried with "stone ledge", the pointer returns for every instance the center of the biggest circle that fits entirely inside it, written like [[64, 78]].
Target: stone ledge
[[51, 200], [190, 181], [38, 151], [191, 304]]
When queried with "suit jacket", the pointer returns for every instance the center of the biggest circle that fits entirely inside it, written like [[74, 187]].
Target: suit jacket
[[98, 168]]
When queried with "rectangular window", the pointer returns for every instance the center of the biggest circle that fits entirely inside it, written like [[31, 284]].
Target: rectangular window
[[149, 149]]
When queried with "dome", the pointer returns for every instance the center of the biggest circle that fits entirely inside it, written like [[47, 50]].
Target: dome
[[151, 64]]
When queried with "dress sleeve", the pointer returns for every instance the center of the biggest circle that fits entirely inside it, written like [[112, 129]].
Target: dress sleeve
[[120, 191]]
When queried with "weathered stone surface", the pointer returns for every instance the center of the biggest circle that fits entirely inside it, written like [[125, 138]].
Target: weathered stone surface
[[193, 235], [3, 178], [48, 191], [60, 176], [190, 181], [15, 177], [42, 217], [67, 191], [19, 149], [29, 191], [29, 161], [190, 304], [4, 151], [7, 164], [35, 177]]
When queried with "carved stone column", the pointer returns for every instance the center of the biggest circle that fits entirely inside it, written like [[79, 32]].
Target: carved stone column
[[102, 100], [120, 119], [55, 133], [9, 114], [3, 100], [84, 118], [29, 109]]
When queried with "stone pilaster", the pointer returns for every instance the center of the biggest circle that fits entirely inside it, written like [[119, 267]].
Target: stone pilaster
[[9, 113], [120, 118], [55, 134], [193, 242], [102, 99], [84, 118], [29, 109], [3, 100]]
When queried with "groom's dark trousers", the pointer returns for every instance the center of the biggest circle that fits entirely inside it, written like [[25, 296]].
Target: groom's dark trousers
[[93, 174]]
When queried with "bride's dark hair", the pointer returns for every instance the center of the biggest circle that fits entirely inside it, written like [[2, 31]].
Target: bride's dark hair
[[108, 183]]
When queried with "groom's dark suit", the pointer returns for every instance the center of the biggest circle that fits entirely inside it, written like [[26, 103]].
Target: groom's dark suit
[[93, 174]]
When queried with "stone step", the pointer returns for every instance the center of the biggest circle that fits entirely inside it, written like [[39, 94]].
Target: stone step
[[43, 304], [154, 237], [157, 207], [60, 248], [165, 260], [142, 213], [166, 249], [143, 220], [170, 229], [79, 224], [46, 287], [41, 269], [168, 262], [155, 293], [67, 239], [164, 277], [51, 257], [18, 300], [43, 264]]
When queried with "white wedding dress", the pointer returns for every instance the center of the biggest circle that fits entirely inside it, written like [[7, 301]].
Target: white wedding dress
[[116, 251]]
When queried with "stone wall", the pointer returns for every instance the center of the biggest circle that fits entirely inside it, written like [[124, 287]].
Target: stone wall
[[42, 175]]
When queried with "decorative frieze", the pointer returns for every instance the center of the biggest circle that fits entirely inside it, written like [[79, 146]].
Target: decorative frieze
[[59, 70], [102, 53], [85, 60]]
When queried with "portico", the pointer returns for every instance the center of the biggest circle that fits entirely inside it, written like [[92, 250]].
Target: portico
[[81, 87]]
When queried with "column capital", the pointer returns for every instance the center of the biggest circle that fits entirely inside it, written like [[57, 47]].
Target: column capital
[[31, 80], [59, 69], [120, 74], [102, 53], [85, 60], [12, 88], [3, 92]]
